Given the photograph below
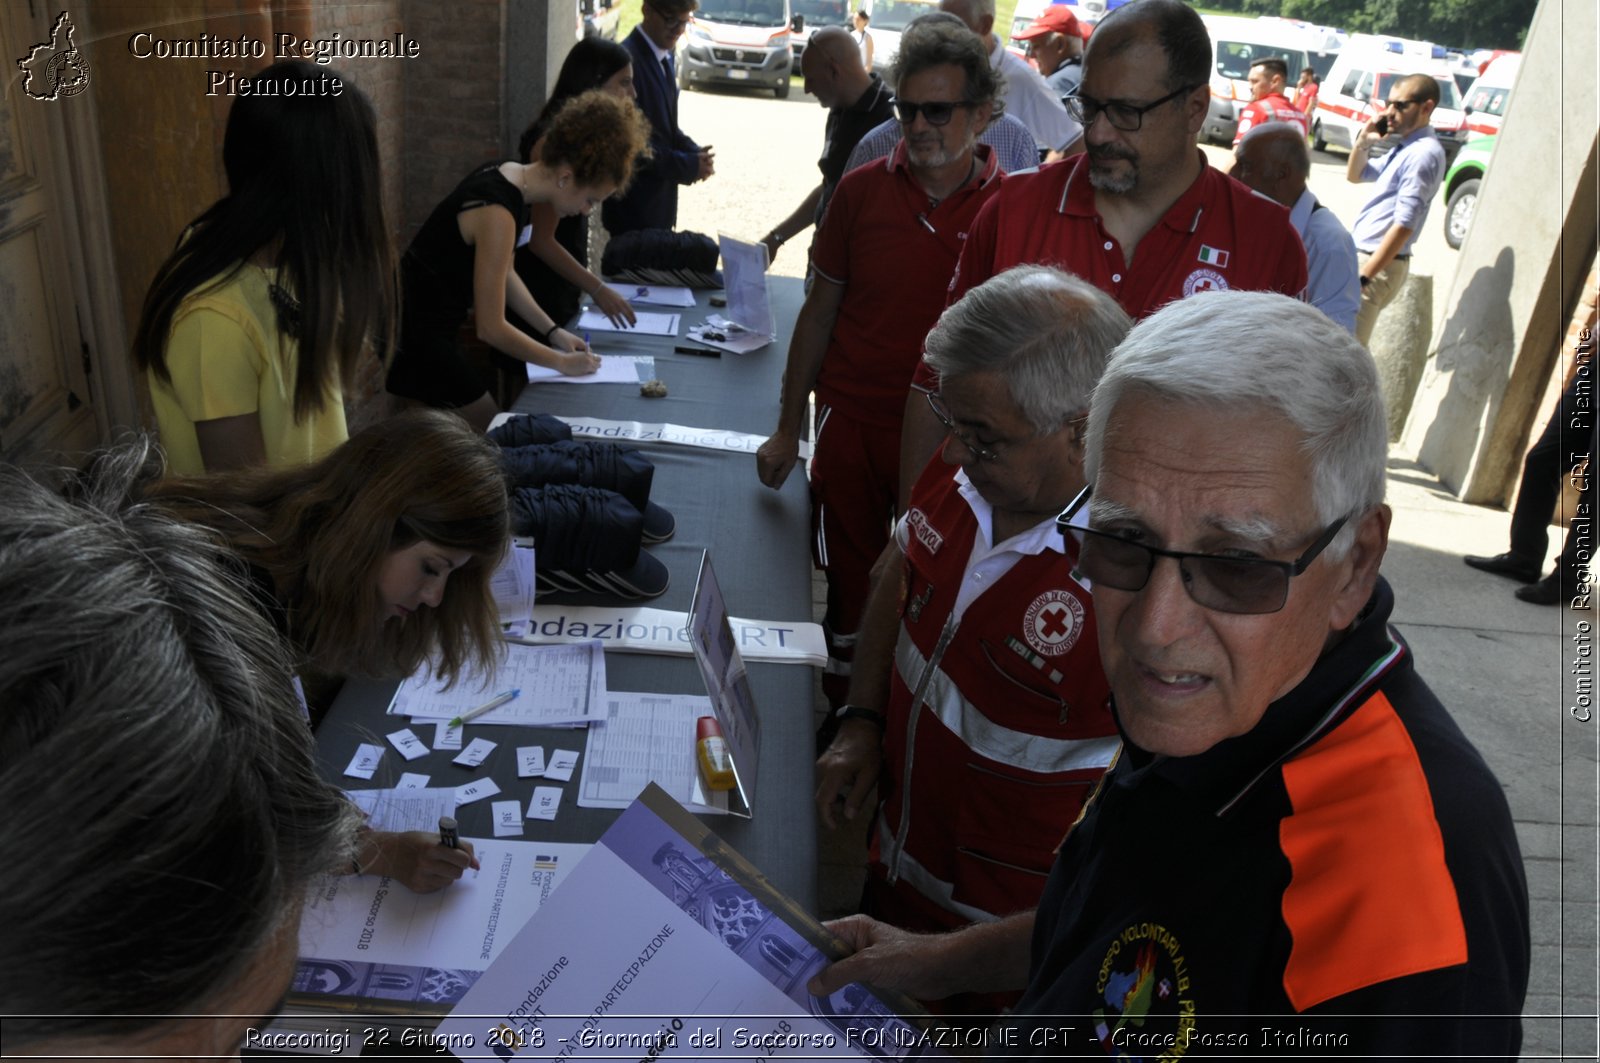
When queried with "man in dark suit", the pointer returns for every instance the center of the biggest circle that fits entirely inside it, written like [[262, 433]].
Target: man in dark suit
[[651, 201]]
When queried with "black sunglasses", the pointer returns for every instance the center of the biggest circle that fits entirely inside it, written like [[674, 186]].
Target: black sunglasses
[[1215, 581], [1401, 105], [937, 112], [1122, 115]]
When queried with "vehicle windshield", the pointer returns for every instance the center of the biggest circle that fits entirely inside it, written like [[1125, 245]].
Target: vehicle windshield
[[743, 12], [897, 14], [1234, 58], [819, 13], [1448, 98], [1489, 99]]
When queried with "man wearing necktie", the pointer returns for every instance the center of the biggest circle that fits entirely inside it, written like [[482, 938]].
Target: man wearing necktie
[[651, 201]]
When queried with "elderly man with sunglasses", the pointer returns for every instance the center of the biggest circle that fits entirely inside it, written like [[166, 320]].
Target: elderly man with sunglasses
[[1408, 178], [1297, 851], [1140, 214], [977, 689], [881, 262]]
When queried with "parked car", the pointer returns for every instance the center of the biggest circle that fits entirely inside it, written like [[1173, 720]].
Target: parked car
[[889, 18], [1459, 190], [599, 18], [1358, 84], [816, 14], [739, 42]]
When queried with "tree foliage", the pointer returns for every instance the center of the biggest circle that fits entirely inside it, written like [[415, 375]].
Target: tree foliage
[[1457, 23]]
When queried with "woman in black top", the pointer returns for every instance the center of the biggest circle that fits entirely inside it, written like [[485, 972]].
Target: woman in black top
[[553, 263], [461, 258]]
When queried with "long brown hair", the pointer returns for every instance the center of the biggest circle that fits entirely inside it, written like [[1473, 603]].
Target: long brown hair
[[303, 189], [322, 531]]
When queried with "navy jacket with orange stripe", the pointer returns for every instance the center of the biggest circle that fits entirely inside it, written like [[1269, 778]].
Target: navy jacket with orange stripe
[[1342, 880]]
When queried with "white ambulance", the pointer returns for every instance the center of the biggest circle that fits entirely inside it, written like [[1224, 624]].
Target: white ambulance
[[1358, 85]]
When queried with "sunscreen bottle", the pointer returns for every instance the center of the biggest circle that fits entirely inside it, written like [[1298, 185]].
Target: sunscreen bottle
[[715, 762]]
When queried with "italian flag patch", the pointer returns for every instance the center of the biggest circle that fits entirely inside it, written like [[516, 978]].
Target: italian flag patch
[[1212, 257]]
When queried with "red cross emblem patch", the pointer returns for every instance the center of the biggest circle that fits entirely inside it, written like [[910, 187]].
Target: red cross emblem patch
[[1053, 622], [1204, 280]]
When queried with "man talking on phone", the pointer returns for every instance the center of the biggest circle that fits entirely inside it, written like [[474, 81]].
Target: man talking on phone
[[1407, 177]]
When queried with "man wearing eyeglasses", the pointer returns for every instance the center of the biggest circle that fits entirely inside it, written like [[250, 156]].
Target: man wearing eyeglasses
[[881, 261], [651, 201], [977, 687], [1407, 179], [1297, 849], [1022, 88], [1141, 215]]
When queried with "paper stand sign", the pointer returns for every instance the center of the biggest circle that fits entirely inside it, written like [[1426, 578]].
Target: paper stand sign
[[727, 683]]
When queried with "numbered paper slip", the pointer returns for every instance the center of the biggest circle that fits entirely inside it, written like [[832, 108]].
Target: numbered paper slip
[[560, 684]]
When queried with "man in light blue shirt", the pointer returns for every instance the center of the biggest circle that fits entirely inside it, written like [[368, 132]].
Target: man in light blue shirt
[[1273, 160], [1408, 177]]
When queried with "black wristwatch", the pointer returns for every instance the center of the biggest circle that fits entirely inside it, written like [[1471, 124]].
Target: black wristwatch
[[1365, 280], [860, 712]]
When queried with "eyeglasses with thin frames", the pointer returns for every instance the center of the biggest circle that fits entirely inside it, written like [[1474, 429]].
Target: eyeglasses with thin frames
[[990, 453], [937, 112], [1248, 585], [1128, 117], [673, 22]]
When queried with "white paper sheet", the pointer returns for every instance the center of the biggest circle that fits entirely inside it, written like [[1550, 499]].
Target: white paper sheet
[[648, 323], [365, 762], [404, 808], [560, 684], [646, 738], [476, 790], [614, 369], [545, 803], [653, 294], [507, 819], [734, 339], [372, 919], [407, 744], [530, 762], [562, 763], [513, 584]]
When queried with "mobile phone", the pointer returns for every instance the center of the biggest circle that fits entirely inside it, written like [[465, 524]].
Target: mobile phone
[[1382, 125]]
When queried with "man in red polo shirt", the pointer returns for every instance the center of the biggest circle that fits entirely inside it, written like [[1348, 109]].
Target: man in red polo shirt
[[1141, 214], [882, 260], [1268, 78]]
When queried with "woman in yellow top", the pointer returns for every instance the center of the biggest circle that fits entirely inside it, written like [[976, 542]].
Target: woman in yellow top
[[260, 315]]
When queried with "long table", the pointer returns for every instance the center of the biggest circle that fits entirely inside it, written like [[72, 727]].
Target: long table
[[759, 543]]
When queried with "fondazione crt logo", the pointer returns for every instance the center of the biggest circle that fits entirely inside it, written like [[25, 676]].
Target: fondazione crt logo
[[55, 69]]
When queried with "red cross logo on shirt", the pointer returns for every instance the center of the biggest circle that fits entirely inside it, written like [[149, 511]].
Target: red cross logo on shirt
[[1204, 280], [1053, 623]]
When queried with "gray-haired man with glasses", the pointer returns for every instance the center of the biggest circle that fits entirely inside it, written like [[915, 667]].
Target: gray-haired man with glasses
[[1297, 849], [1140, 214], [977, 688]]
